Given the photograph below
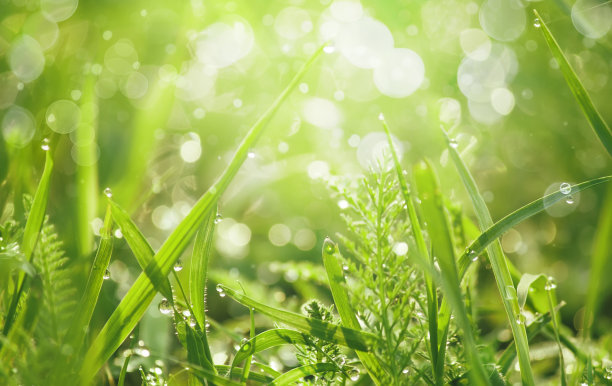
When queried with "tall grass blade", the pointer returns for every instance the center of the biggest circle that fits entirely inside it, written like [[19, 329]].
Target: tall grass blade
[[291, 377], [30, 236], [355, 339], [518, 216], [141, 249], [441, 238], [199, 269], [138, 298], [499, 267], [341, 300], [268, 339], [236, 371], [79, 327], [584, 100]]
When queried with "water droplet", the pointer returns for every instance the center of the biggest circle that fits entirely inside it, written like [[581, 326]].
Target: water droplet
[[329, 246], [191, 321], [345, 267], [536, 23], [550, 284], [453, 143], [165, 307], [565, 188], [220, 290], [219, 218], [329, 49], [45, 144], [381, 117], [251, 154], [178, 266], [108, 192], [569, 200], [510, 292], [520, 319], [207, 325], [608, 372], [106, 275], [406, 370], [353, 374]]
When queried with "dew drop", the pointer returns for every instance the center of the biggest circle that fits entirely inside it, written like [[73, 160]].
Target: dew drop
[[520, 319], [569, 200], [550, 284], [191, 321], [219, 218], [220, 290], [178, 266], [45, 144], [106, 275], [536, 23], [406, 370], [381, 117], [453, 143], [329, 49], [345, 267], [353, 374], [108, 192], [565, 188], [165, 307], [329, 246], [251, 154]]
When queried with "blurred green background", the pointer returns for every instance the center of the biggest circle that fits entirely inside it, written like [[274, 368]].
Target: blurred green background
[[154, 97]]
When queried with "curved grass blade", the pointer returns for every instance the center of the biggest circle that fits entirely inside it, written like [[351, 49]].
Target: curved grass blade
[[584, 100], [441, 237], [518, 216], [355, 339], [237, 371], [210, 376], [195, 349], [341, 300], [141, 249], [135, 303], [499, 267], [30, 236], [123, 372], [268, 339], [292, 376], [509, 354], [78, 330]]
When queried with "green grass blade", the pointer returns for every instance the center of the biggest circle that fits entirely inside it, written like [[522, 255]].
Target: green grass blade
[[552, 301], [355, 339], [123, 373], [210, 376], [138, 298], [441, 238], [518, 216], [247, 364], [199, 270], [30, 236], [509, 354], [141, 249], [237, 371], [600, 258], [522, 289], [268, 339], [341, 300], [584, 100], [499, 267], [291, 377], [78, 330], [195, 349]]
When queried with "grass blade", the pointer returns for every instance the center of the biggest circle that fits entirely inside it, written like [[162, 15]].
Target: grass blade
[[499, 267], [292, 376], [76, 333], [30, 236], [236, 371], [199, 269], [518, 216], [441, 238], [584, 100], [509, 354], [341, 300], [138, 298], [141, 249], [355, 339], [268, 339], [123, 372]]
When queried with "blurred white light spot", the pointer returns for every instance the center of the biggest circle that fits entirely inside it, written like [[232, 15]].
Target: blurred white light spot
[[239, 234], [450, 112], [502, 100], [290, 21], [58, 10], [237, 103], [26, 58], [120, 58], [42, 29], [339, 95], [322, 113], [304, 239], [222, 44], [318, 169], [96, 225], [365, 42], [343, 204], [400, 74], [279, 235], [483, 112], [504, 20], [346, 10], [374, 148], [283, 147], [592, 18], [199, 113], [107, 35], [400, 248], [164, 218], [191, 150], [75, 95], [475, 43], [512, 241], [354, 140], [196, 81], [63, 116], [18, 127], [135, 85]]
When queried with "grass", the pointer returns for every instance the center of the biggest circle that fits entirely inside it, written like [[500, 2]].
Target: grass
[[403, 279]]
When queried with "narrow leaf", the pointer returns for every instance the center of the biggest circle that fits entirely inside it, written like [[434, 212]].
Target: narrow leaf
[[268, 339], [584, 100], [522, 289], [355, 339], [292, 376]]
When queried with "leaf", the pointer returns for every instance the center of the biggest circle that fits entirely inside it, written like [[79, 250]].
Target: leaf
[[440, 233], [502, 226], [341, 300], [584, 100], [292, 376], [509, 354], [498, 265], [141, 249], [195, 349], [355, 339], [268, 339], [237, 371], [136, 301], [522, 289], [30, 236], [123, 372]]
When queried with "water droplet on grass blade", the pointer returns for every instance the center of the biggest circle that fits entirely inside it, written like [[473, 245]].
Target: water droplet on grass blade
[[220, 290], [565, 188], [218, 218], [329, 246], [45, 144], [165, 307], [178, 266], [536, 23], [353, 374], [569, 200], [106, 275], [108, 192], [381, 117]]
